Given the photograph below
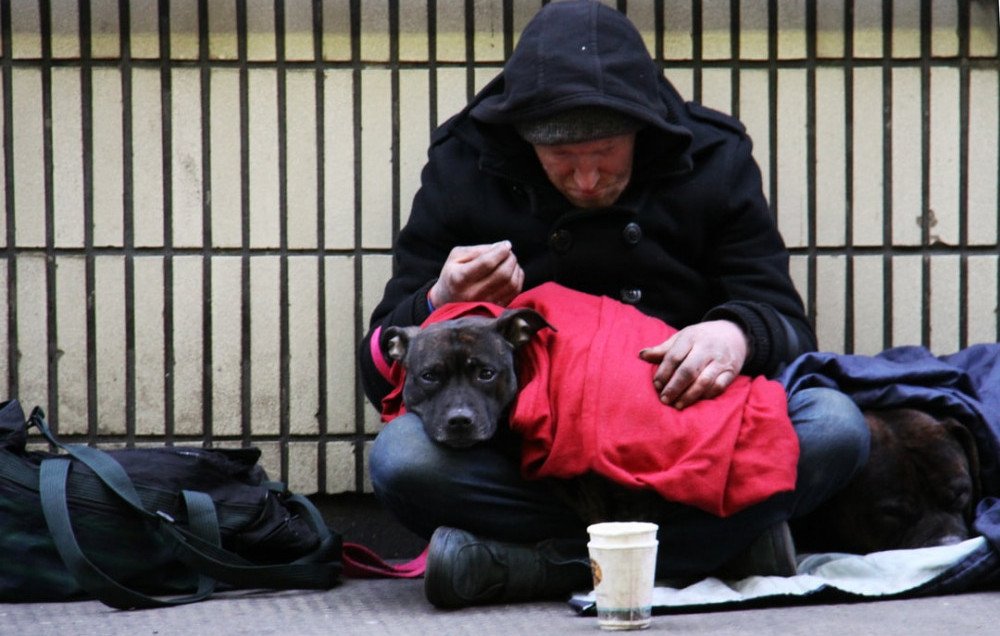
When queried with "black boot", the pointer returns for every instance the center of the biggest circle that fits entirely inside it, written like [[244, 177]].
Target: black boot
[[463, 570]]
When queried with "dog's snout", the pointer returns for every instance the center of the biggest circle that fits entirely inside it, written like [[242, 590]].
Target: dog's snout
[[460, 419]]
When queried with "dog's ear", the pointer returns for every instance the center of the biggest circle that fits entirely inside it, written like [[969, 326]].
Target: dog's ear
[[395, 341], [518, 326]]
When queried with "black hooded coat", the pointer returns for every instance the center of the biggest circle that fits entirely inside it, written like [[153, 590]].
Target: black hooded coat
[[691, 238]]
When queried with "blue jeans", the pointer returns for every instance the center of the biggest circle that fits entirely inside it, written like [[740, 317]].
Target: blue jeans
[[480, 489]]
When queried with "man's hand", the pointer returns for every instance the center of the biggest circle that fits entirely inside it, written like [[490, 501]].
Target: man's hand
[[487, 273], [698, 362]]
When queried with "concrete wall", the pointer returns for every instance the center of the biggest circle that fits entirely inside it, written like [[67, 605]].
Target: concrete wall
[[199, 196]]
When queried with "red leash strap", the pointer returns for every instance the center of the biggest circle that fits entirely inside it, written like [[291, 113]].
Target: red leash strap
[[361, 563]]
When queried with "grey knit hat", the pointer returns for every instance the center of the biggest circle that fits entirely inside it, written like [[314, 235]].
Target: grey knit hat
[[584, 123]]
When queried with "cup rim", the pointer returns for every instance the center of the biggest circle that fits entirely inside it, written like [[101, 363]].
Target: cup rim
[[616, 529]]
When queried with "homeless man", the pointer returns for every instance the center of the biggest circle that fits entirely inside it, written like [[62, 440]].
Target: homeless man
[[580, 164]]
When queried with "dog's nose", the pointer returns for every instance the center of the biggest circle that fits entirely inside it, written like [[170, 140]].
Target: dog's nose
[[460, 419]]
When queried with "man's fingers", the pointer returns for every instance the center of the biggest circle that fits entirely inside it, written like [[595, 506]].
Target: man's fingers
[[670, 376], [465, 253], [496, 253], [675, 384], [481, 261], [488, 272], [513, 284], [712, 381]]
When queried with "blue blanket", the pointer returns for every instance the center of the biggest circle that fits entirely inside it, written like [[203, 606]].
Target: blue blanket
[[831, 577], [965, 386]]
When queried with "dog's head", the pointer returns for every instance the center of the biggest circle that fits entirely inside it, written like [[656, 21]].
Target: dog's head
[[918, 489], [460, 374]]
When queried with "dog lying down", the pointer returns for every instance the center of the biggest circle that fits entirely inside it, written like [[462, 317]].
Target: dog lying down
[[918, 489], [460, 381]]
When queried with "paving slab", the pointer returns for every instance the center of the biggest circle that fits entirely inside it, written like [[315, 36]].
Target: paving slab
[[398, 607], [385, 606]]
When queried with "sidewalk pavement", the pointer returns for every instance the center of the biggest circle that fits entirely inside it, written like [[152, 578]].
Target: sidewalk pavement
[[394, 606], [374, 607]]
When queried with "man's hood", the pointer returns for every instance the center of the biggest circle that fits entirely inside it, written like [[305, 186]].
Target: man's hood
[[581, 53]]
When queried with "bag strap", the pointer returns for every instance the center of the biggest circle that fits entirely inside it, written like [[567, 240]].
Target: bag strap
[[198, 546], [53, 475], [104, 466]]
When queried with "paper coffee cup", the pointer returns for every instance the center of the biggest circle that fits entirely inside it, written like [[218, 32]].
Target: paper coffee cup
[[623, 561]]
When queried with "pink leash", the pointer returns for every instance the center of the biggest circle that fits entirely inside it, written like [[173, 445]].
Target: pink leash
[[361, 563]]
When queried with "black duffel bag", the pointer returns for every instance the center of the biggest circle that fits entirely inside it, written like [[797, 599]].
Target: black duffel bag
[[149, 527]]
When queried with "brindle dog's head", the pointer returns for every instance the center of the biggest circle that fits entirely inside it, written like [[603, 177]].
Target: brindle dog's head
[[460, 374], [918, 489]]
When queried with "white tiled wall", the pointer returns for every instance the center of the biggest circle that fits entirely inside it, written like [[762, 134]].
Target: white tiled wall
[[199, 197]]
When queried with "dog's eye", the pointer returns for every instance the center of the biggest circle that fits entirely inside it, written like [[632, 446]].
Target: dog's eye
[[895, 512], [430, 376], [486, 374]]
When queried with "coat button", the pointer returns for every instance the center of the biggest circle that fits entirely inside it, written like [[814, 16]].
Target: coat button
[[632, 234], [561, 241], [631, 295]]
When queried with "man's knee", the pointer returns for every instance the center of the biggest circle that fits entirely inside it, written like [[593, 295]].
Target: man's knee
[[832, 419], [402, 456], [834, 441]]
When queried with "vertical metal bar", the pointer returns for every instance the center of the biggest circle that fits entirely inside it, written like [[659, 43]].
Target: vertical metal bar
[[205, 76], [166, 133], [734, 44], [697, 42], [849, 282], [772, 94], [508, 27], [10, 251], [964, 29], [128, 220], [925, 150], [52, 356], [470, 49], [245, 366], [812, 238], [322, 372], [394, 114], [359, 318], [432, 61], [284, 347], [659, 26], [87, 126], [887, 232]]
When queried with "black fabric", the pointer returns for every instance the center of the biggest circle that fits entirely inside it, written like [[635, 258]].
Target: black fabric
[[575, 54], [267, 537]]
